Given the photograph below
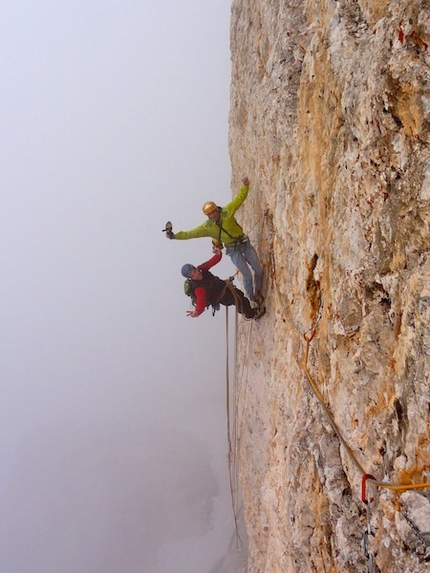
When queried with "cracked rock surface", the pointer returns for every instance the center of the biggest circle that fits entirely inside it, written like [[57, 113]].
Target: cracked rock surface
[[330, 119]]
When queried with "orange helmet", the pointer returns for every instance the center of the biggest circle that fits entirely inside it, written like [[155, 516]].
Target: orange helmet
[[208, 207]]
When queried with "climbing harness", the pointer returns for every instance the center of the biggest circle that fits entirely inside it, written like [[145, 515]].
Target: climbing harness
[[237, 240]]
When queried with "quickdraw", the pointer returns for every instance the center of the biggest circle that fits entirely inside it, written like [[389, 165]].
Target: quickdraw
[[368, 531]]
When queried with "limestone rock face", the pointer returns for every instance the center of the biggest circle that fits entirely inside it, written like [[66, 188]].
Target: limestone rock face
[[330, 119]]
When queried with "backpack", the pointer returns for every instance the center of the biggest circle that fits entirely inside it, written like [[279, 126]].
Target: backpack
[[189, 291]]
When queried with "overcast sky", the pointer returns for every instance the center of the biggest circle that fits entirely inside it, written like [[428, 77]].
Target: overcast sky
[[114, 119]]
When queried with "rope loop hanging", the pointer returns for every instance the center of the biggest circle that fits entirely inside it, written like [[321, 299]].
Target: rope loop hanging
[[232, 435]]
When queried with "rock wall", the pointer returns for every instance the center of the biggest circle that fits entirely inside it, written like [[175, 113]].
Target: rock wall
[[330, 119]]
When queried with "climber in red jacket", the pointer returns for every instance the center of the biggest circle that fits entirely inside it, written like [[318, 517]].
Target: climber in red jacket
[[207, 289]]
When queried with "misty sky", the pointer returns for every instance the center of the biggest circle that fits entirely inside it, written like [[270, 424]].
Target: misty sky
[[113, 429]]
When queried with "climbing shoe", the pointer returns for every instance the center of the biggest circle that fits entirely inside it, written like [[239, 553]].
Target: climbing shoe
[[258, 297], [258, 313]]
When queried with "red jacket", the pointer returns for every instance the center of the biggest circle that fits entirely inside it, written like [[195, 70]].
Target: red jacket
[[201, 292]]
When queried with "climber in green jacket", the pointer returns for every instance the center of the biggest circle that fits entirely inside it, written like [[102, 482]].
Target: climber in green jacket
[[223, 228]]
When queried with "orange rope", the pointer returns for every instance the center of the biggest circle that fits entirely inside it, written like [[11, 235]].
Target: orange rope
[[315, 389]]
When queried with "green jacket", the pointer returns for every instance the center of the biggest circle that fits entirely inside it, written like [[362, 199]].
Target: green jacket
[[227, 221]]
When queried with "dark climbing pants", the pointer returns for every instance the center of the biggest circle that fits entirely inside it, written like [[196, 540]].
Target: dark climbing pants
[[235, 296]]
